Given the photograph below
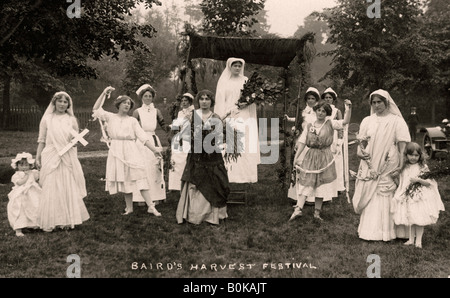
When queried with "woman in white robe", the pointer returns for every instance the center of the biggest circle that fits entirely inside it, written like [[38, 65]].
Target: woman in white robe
[[243, 119], [386, 133], [61, 176], [149, 117]]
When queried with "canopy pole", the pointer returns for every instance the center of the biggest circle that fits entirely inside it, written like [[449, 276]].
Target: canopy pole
[[186, 66]]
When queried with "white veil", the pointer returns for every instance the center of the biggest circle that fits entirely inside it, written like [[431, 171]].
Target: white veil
[[51, 106], [392, 107], [222, 106]]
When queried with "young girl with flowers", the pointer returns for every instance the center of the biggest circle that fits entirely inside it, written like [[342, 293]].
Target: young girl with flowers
[[417, 201]]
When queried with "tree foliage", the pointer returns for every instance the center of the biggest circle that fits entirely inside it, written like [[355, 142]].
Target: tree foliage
[[44, 31], [373, 52], [404, 51], [230, 17], [40, 40]]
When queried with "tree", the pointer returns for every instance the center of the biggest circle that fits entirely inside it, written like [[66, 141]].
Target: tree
[[321, 63], [230, 17], [44, 36], [261, 28], [194, 11], [435, 34], [372, 52]]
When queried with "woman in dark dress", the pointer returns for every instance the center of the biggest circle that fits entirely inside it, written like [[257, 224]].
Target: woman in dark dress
[[204, 184]]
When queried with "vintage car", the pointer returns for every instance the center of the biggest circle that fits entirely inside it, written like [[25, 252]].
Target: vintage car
[[435, 139]]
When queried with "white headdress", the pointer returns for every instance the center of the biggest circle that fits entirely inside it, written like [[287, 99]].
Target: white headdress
[[313, 90], [145, 87], [391, 106], [19, 157], [187, 94], [226, 74], [225, 101], [329, 90], [51, 107]]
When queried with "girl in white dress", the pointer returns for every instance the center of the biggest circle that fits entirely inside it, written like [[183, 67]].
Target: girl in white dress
[[61, 176], [149, 117], [24, 197], [125, 165], [180, 152], [244, 119], [420, 207]]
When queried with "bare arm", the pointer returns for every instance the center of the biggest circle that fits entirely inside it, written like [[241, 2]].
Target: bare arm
[[22, 180], [101, 99], [40, 147], [348, 112], [421, 181]]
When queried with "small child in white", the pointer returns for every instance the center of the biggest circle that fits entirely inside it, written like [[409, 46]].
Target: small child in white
[[24, 197], [417, 201]]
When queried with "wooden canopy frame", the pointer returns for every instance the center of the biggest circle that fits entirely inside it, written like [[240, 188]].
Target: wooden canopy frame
[[276, 52]]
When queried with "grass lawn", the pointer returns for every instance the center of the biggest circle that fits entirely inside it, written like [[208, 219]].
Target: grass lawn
[[256, 241]]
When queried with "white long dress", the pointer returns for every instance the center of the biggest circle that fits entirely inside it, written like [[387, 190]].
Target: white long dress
[[372, 197], [125, 170], [245, 168], [24, 199], [338, 154], [153, 169], [61, 177], [179, 149]]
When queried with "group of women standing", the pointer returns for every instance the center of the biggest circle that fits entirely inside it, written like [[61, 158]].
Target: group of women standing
[[134, 164]]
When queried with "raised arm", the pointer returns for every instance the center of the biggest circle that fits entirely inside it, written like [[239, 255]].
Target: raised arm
[[348, 112], [101, 99]]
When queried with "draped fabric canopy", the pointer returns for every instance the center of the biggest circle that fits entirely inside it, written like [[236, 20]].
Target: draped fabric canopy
[[278, 52]]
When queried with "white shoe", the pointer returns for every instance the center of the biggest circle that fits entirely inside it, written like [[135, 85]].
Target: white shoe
[[127, 211], [153, 210], [297, 213]]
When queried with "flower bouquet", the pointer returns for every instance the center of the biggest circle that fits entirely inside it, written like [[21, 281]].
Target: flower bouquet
[[366, 171], [440, 171], [234, 154], [260, 90]]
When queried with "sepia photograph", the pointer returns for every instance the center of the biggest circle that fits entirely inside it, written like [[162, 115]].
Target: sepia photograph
[[224, 147]]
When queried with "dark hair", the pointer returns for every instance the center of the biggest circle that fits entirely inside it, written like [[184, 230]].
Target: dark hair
[[121, 99], [187, 97], [409, 149], [323, 104], [312, 93], [381, 97], [207, 93], [31, 165], [237, 61], [152, 91], [332, 95]]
